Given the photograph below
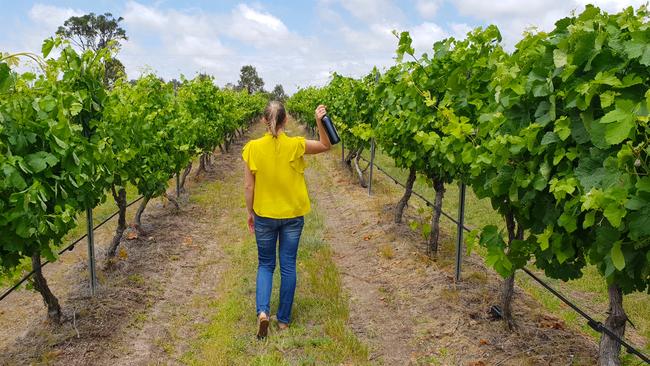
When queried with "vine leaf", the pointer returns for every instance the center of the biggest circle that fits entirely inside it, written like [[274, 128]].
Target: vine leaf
[[617, 256]]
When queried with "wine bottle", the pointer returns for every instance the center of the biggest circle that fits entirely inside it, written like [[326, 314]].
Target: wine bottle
[[331, 130]]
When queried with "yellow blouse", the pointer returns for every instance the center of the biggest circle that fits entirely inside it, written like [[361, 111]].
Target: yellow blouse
[[278, 165]]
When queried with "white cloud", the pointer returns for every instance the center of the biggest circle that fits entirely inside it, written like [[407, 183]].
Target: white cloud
[[257, 27], [142, 16], [610, 5], [460, 30], [427, 8], [170, 41], [425, 35], [486, 10], [369, 11], [51, 16]]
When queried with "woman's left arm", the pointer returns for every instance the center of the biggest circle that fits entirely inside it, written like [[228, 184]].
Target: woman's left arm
[[249, 189]]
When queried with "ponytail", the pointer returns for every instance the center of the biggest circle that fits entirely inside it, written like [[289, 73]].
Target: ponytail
[[275, 115]]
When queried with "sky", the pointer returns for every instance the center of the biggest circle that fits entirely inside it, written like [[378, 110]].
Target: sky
[[292, 43]]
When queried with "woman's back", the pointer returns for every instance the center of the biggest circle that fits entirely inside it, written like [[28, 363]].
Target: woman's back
[[278, 165]]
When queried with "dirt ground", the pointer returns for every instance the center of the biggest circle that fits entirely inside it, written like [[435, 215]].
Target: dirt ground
[[406, 307]]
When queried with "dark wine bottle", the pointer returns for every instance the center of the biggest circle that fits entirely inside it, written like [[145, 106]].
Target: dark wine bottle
[[331, 130]]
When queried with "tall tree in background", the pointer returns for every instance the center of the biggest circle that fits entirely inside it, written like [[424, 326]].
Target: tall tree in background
[[94, 32], [278, 93], [249, 80]]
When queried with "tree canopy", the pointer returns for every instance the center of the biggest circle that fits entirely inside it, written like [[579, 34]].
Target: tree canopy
[[250, 80], [278, 93]]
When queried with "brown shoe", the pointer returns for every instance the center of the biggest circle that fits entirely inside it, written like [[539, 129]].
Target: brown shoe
[[262, 326]]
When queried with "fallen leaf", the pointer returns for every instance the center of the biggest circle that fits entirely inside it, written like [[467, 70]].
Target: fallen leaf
[[477, 363], [54, 354], [122, 254], [188, 240], [551, 323], [131, 235], [483, 341], [367, 237]]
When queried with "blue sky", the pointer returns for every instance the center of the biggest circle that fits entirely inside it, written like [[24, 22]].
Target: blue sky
[[294, 43]]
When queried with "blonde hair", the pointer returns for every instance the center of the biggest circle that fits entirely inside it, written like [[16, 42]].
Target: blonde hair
[[275, 116]]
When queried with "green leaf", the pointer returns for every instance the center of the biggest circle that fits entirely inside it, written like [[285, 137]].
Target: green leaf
[[617, 256], [590, 217], [543, 238], [404, 45], [620, 121], [559, 58], [47, 103], [48, 44], [75, 108], [606, 79], [5, 77], [607, 99], [568, 221], [640, 223], [40, 160], [643, 184], [14, 178], [414, 225], [562, 128], [636, 203], [639, 47], [617, 132], [614, 212], [549, 138], [618, 114], [471, 240], [60, 142]]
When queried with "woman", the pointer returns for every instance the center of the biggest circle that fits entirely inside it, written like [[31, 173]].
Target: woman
[[276, 199]]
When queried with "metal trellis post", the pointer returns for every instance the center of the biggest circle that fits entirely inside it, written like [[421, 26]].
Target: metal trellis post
[[460, 231], [372, 162], [91, 251], [342, 152], [178, 184]]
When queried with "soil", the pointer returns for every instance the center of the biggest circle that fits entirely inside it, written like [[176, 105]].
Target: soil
[[405, 306]]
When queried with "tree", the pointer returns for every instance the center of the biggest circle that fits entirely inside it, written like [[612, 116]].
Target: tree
[[249, 80], [278, 93], [94, 32]]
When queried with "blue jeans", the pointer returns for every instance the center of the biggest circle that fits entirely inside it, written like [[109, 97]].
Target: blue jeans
[[267, 232]]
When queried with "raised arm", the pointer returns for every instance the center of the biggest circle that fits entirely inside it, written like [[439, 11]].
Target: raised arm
[[323, 144]]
